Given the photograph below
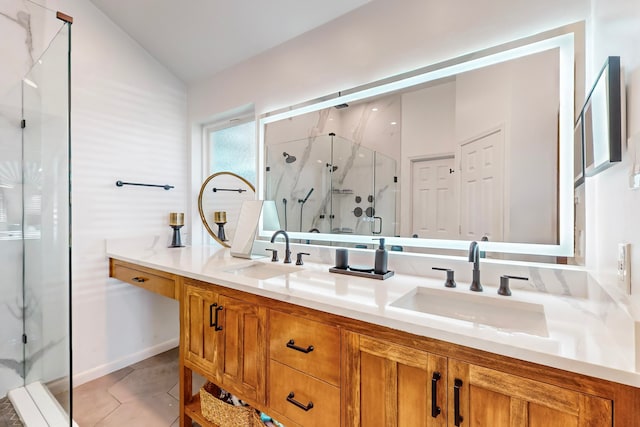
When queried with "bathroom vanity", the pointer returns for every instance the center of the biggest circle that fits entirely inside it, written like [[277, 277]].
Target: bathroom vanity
[[311, 348]]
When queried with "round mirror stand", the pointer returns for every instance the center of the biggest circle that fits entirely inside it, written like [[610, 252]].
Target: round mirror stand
[[221, 196]]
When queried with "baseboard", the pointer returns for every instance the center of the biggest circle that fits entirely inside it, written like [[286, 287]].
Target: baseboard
[[102, 370]]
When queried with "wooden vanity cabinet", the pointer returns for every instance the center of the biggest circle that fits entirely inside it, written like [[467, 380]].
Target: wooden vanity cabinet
[[480, 396], [362, 374], [359, 374]]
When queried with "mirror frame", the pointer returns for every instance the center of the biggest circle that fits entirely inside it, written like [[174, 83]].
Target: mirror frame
[[566, 39], [200, 210]]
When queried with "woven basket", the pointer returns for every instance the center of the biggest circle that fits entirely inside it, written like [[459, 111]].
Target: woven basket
[[224, 414]]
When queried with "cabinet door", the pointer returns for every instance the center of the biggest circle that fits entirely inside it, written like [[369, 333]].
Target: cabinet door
[[242, 362], [393, 385], [201, 335], [483, 397]]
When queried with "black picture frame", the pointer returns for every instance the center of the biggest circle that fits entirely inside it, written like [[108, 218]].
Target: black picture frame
[[578, 152], [601, 119]]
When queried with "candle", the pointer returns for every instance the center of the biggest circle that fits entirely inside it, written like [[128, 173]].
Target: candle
[[176, 218], [220, 216]]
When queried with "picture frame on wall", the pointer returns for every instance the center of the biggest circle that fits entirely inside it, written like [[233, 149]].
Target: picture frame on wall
[[602, 120]]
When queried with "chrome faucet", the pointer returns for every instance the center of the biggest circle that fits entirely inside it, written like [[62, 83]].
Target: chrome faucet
[[474, 257], [287, 251]]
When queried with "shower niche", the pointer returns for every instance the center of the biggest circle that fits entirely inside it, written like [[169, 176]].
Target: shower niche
[[329, 184]]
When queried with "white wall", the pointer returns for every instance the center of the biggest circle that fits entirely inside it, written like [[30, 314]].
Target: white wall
[[375, 41], [128, 123], [428, 128], [612, 208]]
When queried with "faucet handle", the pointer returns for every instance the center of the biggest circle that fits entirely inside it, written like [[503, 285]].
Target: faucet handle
[[274, 254], [299, 257], [450, 283], [504, 284]]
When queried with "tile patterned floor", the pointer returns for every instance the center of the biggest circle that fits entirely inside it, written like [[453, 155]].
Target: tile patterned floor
[[8, 416], [143, 395]]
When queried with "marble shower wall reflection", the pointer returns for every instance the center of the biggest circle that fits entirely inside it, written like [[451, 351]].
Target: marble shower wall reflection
[[349, 177]]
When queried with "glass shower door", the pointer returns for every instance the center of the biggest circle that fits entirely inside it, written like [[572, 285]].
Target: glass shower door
[[352, 187], [45, 222], [385, 190]]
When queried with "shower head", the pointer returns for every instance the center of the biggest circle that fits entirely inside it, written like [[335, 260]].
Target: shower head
[[289, 158]]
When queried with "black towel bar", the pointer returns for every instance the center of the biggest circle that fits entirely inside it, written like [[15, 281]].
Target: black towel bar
[[239, 190], [165, 186]]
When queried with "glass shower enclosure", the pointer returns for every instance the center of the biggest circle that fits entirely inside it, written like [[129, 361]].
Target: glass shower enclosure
[[35, 352], [328, 184]]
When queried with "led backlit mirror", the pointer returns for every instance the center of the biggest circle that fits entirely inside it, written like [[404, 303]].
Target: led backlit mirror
[[478, 146]]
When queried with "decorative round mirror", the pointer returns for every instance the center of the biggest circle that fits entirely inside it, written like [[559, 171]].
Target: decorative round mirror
[[219, 202]]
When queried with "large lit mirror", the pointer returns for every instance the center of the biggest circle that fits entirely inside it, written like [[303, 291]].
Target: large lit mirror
[[475, 148]]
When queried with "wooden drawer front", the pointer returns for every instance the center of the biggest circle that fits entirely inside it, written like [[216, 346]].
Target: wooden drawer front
[[321, 400], [322, 362], [158, 284]]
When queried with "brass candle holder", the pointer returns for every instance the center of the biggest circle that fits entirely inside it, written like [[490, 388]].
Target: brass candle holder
[[176, 221], [220, 218]]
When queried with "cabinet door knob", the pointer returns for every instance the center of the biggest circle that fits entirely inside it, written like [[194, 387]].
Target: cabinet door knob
[[435, 409], [292, 345], [139, 279], [290, 399]]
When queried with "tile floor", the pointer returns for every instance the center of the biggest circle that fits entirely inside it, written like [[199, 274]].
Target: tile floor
[[8, 416], [143, 395]]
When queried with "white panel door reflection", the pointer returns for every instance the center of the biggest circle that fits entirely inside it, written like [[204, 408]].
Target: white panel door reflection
[[481, 187], [434, 203]]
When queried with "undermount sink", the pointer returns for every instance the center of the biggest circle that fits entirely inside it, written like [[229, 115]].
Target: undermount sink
[[263, 271], [503, 314]]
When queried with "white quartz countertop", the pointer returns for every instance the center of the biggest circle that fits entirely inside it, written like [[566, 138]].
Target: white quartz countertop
[[565, 332]]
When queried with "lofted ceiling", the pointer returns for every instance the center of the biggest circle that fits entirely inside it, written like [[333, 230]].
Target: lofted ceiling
[[198, 38]]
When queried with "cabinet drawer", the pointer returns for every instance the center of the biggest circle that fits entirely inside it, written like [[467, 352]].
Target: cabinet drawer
[[144, 279], [306, 345], [301, 398]]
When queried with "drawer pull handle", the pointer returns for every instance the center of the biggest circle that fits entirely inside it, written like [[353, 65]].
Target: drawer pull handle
[[292, 344], [435, 409], [213, 319], [290, 399], [457, 418], [139, 279]]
